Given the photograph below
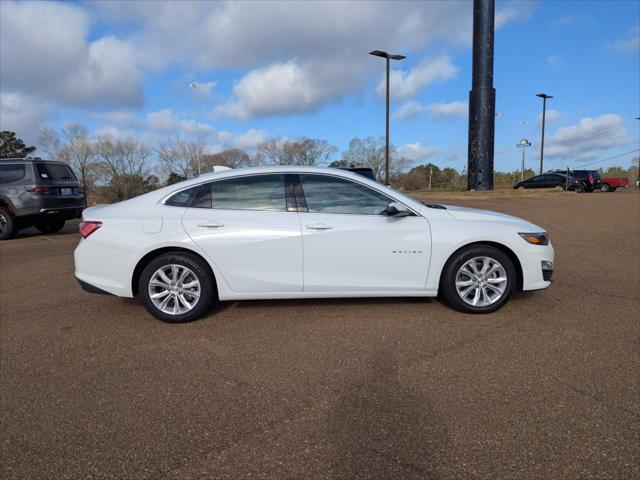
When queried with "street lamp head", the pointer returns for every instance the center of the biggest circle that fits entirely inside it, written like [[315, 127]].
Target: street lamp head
[[543, 95], [380, 53]]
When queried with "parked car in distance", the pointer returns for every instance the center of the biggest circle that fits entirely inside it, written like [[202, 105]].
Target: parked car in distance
[[552, 180], [609, 184], [589, 178], [303, 232], [37, 192]]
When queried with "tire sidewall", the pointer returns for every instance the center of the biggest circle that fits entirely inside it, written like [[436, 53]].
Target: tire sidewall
[[11, 225], [208, 289], [52, 225], [448, 278]]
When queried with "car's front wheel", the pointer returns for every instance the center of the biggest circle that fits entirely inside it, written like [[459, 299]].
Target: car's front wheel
[[478, 279], [177, 287]]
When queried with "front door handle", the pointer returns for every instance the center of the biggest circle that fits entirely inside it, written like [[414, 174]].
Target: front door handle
[[319, 226], [211, 224]]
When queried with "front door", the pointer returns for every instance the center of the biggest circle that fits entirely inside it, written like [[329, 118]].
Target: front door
[[244, 226], [351, 244]]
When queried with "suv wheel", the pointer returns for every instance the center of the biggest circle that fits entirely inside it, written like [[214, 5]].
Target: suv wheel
[[478, 279], [7, 224], [50, 225], [177, 287], [605, 187]]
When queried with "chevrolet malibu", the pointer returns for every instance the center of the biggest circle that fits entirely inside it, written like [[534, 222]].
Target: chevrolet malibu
[[303, 232]]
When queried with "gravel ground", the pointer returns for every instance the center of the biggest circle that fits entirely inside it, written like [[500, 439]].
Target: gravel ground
[[548, 387]]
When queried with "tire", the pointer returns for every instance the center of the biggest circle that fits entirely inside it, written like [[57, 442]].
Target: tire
[[8, 227], [605, 188], [50, 225], [459, 261], [199, 271]]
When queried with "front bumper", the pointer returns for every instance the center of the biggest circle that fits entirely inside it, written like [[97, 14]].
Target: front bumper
[[532, 258]]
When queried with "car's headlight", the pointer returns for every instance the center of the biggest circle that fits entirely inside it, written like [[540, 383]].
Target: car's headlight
[[536, 238]]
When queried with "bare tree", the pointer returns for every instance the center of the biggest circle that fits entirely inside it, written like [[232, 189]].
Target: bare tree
[[123, 163], [301, 151], [369, 152], [76, 148], [233, 158], [180, 157]]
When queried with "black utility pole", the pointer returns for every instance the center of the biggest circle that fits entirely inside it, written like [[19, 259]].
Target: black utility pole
[[482, 99], [380, 53], [544, 97]]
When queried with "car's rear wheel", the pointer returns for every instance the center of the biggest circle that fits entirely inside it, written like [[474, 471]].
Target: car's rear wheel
[[605, 188], [50, 225], [177, 287], [7, 224], [478, 279]]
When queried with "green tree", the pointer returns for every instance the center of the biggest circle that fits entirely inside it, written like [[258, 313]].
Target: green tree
[[175, 178], [12, 147]]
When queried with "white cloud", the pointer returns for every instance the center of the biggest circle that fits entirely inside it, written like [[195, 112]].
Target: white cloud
[[554, 61], [407, 83], [281, 89], [630, 44], [413, 109], [569, 20], [44, 52], [588, 138], [551, 116], [202, 90], [23, 115], [166, 122], [244, 141], [415, 152]]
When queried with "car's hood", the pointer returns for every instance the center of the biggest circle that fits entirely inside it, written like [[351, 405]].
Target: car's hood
[[475, 214]]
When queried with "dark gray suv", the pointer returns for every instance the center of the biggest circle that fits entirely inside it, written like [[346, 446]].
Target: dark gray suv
[[37, 192]]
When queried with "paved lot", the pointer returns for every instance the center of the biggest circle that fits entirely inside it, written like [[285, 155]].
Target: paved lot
[[549, 387]]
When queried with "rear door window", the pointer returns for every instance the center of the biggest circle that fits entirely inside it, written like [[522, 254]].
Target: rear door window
[[12, 173], [255, 192], [54, 171]]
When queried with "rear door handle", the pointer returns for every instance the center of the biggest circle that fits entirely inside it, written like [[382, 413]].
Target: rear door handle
[[319, 226], [211, 224]]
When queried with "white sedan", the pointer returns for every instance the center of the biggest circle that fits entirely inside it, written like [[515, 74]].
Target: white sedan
[[303, 232]]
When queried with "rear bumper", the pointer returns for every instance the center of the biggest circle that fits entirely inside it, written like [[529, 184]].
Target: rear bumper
[[87, 287], [104, 267]]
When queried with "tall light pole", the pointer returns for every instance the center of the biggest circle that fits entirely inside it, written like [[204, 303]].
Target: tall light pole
[[544, 98], [482, 99], [194, 86], [388, 57]]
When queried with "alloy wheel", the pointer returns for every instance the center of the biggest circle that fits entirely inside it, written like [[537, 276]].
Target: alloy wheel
[[3, 223], [174, 289], [481, 281]]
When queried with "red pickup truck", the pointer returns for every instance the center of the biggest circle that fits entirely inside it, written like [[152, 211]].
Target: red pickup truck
[[609, 184]]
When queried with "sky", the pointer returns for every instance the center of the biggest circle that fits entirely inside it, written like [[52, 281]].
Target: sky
[[291, 69]]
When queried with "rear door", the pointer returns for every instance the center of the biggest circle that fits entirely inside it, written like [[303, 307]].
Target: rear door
[[244, 225], [350, 244]]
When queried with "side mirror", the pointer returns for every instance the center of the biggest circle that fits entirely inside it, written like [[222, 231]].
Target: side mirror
[[396, 209]]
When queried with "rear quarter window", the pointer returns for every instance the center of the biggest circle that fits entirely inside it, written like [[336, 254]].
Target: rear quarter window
[[54, 171], [12, 173]]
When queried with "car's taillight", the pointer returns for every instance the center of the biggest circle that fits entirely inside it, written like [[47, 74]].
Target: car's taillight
[[87, 228], [37, 189]]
